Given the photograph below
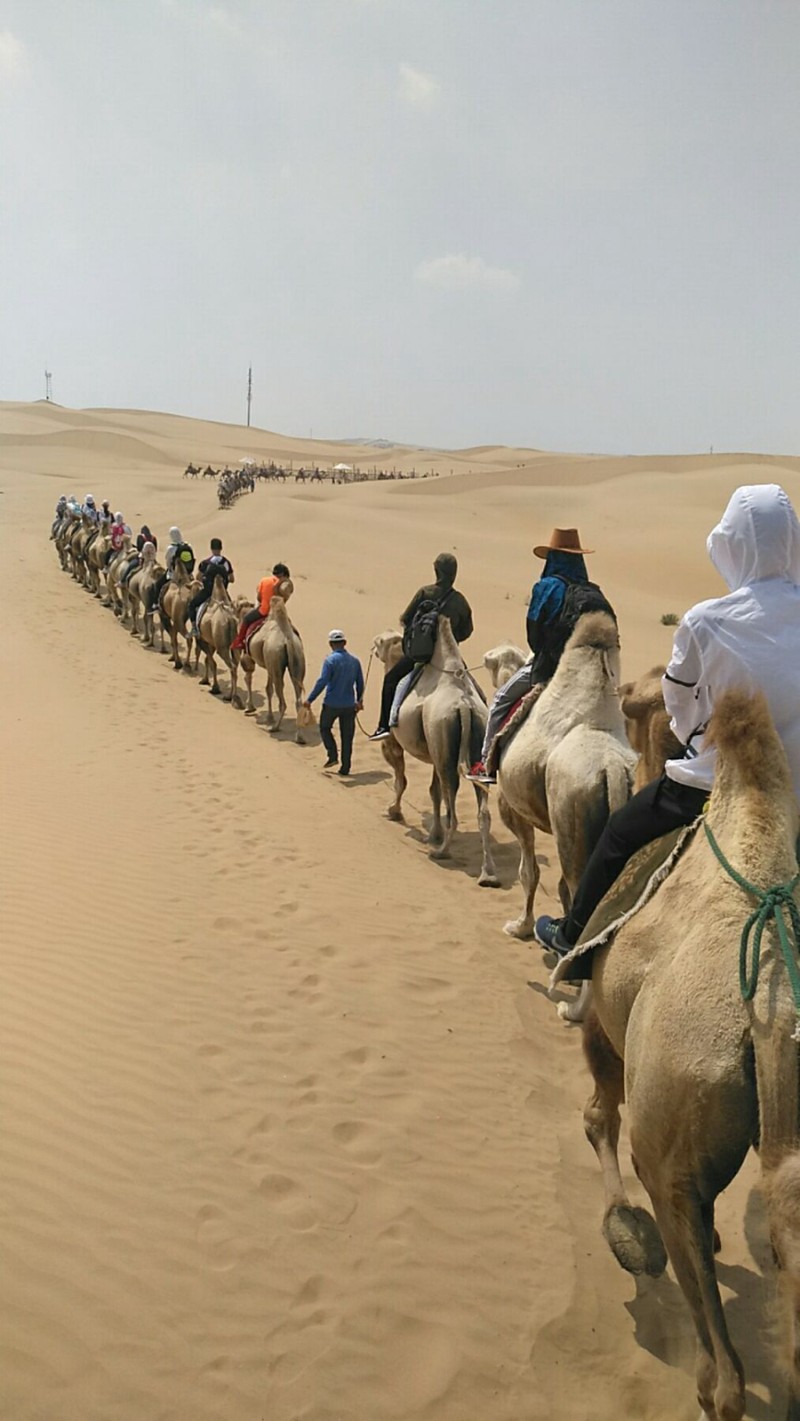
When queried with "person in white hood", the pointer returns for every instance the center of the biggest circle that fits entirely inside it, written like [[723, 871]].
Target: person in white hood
[[749, 639]]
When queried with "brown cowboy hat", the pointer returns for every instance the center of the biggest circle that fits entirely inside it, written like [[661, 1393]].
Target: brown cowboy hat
[[562, 540]]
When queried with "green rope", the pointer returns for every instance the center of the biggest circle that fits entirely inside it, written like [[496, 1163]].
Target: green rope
[[774, 903]]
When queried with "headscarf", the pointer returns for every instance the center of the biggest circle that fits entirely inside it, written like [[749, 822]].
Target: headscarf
[[547, 597], [445, 567]]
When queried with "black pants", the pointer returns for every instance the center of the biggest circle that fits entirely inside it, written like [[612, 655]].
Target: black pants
[[196, 603], [252, 616], [155, 591], [659, 807], [391, 681], [346, 716]]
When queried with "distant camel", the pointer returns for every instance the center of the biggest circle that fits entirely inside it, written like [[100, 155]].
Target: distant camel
[[569, 765], [706, 1074], [442, 722]]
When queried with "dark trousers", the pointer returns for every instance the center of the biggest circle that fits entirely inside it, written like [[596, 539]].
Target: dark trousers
[[252, 616], [346, 716], [196, 603], [659, 807], [391, 681]]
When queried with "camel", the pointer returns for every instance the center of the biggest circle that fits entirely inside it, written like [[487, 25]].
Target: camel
[[277, 648], [217, 627], [442, 722], [570, 765], [705, 1073], [175, 598], [113, 573], [388, 647], [503, 661], [95, 558], [136, 592], [647, 724]]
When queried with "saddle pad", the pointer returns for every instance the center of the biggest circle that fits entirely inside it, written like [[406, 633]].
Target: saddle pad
[[639, 880], [516, 717], [249, 634]]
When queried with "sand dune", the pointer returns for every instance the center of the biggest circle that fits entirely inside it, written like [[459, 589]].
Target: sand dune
[[290, 1130]]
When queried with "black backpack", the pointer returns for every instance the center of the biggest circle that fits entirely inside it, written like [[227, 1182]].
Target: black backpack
[[419, 637], [184, 554], [583, 597]]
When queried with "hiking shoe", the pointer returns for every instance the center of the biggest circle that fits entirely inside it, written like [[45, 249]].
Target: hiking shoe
[[343, 772], [329, 764], [549, 932], [480, 775], [380, 734]]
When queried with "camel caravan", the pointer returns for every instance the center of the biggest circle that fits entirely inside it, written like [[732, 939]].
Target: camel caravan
[[673, 806]]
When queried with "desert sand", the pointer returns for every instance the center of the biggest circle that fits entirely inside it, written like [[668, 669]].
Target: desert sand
[[290, 1130]]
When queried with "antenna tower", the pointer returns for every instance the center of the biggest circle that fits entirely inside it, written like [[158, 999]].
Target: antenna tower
[[48, 385], [249, 392]]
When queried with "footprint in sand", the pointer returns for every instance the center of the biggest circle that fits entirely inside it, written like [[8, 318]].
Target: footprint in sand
[[286, 1197], [215, 1238], [358, 1139]]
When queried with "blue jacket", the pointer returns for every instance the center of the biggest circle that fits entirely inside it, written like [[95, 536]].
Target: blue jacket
[[342, 680]]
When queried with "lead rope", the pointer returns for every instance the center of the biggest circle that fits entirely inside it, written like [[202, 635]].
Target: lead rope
[[773, 903], [364, 692]]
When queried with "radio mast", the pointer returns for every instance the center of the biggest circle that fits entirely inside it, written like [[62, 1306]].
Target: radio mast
[[249, 392], [48, 385]]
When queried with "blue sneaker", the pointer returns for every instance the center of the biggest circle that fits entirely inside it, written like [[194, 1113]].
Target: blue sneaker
[[549, 933]]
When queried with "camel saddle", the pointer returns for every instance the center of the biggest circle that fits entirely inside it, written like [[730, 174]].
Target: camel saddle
[[516, 717], [640, 879]]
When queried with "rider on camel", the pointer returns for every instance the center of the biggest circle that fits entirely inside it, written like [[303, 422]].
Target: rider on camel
[[748, 639], [265, 592], [561, 595]]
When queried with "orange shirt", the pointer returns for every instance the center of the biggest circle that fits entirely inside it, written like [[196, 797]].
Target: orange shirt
[[267, 588]]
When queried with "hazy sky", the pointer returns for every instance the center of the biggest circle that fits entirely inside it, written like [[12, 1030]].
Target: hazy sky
[[571, 224]]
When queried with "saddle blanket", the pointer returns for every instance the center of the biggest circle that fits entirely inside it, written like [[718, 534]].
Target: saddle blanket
[[641, 877], [241, 641], [516, 717]]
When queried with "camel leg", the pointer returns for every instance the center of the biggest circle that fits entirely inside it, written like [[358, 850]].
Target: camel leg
[[233, 667], [488, 875], [211, 666], [523, 831], [205, 678], [687, 1225], [393, 754], [298, 701], [630, 1232], [438, 839], [277, 688], [249, 706]]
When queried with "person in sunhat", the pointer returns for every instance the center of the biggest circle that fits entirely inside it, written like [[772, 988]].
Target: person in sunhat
[[560, 596], [342, 680]]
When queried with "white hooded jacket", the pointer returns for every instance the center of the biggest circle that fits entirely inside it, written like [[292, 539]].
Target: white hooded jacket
[[749, 639]]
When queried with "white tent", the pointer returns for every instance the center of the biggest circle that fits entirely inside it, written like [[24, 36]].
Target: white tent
[[343, 468]]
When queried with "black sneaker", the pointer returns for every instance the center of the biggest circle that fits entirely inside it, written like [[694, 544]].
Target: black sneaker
[[380, 734], [329, 764], [550, 934]]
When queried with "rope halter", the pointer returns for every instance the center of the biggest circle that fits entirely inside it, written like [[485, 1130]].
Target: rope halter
[[775, 904]]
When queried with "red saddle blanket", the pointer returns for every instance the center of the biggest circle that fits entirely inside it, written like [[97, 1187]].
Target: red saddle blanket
[[245, 635]]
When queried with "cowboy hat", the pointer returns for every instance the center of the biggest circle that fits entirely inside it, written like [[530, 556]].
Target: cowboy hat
[[562, 540]]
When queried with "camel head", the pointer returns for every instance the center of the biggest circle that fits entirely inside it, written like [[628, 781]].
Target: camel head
[[502, 661], [388, 647]]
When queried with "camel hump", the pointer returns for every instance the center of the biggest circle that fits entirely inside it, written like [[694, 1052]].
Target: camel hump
[[743, 731], [596, 629], [637, 698]]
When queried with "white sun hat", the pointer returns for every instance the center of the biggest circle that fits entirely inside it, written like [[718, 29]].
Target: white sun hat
[[336, 635]]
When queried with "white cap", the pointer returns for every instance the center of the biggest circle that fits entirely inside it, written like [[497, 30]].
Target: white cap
[[336, 635], [175, 534]]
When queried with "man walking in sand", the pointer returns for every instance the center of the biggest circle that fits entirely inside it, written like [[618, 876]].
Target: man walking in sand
[[342, 679]]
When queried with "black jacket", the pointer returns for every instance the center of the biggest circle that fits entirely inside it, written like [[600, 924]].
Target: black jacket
[[548, 639], [453, 604]]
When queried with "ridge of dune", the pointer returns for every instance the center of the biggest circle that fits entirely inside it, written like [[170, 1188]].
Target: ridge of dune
[[290, 1130]]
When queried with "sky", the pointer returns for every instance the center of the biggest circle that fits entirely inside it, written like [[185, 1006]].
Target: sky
[[562, 224]]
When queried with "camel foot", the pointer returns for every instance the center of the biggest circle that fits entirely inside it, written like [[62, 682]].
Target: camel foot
[[633, 1237], [215, 690], [177, 665], [204, 682], [250, 710], [299, 739], [438, 851], [488, 880], [395, 814], [519, 927]]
